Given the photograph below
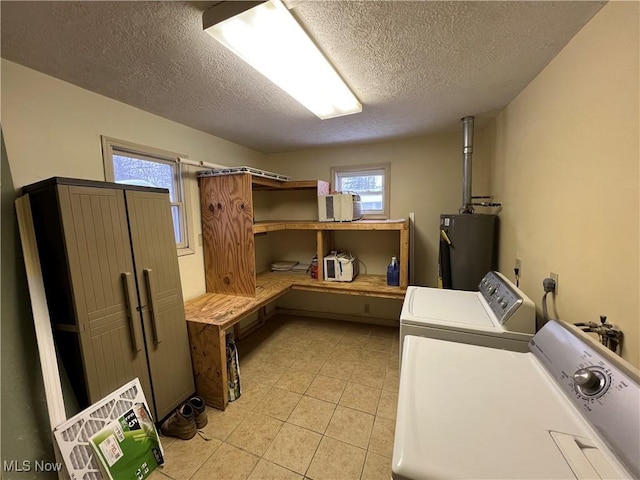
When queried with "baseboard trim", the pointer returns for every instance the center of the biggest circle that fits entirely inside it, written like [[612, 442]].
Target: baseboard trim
[[386, 322]]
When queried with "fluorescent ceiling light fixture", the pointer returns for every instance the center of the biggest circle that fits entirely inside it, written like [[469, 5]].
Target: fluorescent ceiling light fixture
[[269, 39]]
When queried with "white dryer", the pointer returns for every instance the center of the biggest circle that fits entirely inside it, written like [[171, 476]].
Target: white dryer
[[499, 315]]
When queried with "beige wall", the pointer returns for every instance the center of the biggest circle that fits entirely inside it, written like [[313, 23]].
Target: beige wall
[[426, 179], [565, 159], [564, 153], [566, 169], [52, 128]]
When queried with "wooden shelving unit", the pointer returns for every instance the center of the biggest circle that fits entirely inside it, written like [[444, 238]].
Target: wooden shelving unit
[[228, 229], [236, 290], [324, 240]]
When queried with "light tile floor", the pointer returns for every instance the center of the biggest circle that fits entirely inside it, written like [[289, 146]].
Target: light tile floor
[[318, 401]]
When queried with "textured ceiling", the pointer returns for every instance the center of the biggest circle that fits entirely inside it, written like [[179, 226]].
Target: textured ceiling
[[417, 67]]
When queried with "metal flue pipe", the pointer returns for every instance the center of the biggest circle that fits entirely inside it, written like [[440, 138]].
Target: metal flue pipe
[[467, 152]]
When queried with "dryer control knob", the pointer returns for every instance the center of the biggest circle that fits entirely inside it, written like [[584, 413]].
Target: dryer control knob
[[589, 382]]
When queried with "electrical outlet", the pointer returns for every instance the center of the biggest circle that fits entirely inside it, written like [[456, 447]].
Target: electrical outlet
[[554, 277], [519, 265], [367, 308]]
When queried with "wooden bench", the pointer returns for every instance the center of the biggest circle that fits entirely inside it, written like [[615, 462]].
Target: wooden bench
[[209, 316]]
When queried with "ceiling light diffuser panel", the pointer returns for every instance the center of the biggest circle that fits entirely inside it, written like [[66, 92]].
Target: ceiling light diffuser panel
[[269, 39]]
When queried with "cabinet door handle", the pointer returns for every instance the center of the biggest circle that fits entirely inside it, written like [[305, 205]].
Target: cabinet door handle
[[129, 298], [151, 289]]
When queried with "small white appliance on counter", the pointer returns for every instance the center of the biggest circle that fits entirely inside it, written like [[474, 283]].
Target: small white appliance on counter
[[339, 207], [340, 267], [499, 315], [567, 409]]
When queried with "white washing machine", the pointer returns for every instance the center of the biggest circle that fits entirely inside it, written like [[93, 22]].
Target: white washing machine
[[567, 409], [499, 315]]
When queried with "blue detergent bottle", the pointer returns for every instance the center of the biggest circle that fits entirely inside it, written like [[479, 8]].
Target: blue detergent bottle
[[393, 273]]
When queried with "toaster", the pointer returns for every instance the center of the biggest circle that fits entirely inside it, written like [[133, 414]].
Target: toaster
[[340, 267]]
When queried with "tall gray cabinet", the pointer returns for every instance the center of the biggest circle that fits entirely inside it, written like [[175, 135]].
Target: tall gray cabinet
[[110, 269]]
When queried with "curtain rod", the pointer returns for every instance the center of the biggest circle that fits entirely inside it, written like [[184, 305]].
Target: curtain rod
[[197, 163]]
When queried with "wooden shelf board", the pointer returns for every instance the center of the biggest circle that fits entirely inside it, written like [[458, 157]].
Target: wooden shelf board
[[227, 310], [392, 224], [363, 285], [264, 227], [260, 183], [365, 225], [264, 183]]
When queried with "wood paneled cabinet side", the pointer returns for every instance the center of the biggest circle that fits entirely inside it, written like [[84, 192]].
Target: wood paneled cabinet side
[[227, 230], [113, 289], [227, 212]]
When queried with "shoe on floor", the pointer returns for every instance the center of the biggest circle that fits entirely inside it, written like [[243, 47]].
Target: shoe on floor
[[181, 423], [200, 414]]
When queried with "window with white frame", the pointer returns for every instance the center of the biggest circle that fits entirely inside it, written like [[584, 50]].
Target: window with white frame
[[371, 182], [132, 164]]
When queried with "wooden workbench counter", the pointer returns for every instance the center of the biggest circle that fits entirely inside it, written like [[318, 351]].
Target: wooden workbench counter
[[210, 315]]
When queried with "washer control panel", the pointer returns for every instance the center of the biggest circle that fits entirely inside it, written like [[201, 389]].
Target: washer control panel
[[505, 300], [604, 388], [591, 382]]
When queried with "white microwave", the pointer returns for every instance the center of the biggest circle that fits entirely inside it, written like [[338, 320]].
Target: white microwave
[[339, 207]]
